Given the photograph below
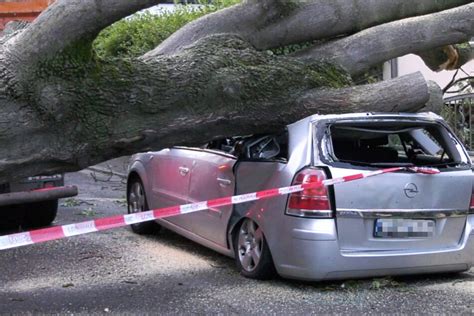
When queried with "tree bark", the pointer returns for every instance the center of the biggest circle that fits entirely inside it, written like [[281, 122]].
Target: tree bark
[[68, 24], [375, 45], [274, 23], [409, 93], [448, 57], [82, 119]]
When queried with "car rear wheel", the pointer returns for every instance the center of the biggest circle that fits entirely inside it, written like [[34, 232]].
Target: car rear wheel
[[137, 203], [40, 214], [252, 254]]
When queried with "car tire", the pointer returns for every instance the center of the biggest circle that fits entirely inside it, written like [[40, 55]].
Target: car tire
[[252, 255], [137, 202], [40, 214], [11, 217]]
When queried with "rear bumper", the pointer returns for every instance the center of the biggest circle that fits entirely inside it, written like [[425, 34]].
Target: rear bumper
[[314, 254], [39, 195]]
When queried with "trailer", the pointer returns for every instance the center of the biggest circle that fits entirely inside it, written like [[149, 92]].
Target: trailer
[[21, 10], [32, 202]]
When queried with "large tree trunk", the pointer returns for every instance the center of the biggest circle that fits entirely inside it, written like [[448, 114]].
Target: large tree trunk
[[62, 109]]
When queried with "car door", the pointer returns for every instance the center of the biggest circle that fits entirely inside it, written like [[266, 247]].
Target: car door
[[211, 178], [170, 182]]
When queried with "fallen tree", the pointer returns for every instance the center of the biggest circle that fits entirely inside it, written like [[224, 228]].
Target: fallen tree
[[63, 108]]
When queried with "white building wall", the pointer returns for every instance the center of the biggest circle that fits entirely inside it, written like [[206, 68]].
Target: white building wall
[[412, 63]]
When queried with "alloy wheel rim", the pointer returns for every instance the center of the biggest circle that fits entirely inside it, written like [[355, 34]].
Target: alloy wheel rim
[[136, 199], [250, 244]]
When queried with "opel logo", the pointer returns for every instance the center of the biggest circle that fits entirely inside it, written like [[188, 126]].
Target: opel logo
[[411, 190]]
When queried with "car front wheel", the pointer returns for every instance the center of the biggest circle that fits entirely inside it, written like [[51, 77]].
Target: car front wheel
[[137, 203], [252, 254], [11, 217]]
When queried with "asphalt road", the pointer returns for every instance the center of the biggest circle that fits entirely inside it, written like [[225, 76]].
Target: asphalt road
[[119, 272]]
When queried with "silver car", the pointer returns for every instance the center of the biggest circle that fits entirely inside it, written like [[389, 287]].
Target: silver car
[[395, 223]]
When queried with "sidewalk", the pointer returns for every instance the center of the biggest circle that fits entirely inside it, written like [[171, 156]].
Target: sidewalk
[[117, 167]]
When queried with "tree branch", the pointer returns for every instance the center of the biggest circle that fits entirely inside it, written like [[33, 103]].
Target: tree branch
[[469, 83], [448, 57], [375, 45], [66, 23], [270, 23], [408, 93]]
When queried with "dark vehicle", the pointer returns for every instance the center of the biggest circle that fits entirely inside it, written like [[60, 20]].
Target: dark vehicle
[[32, 202]]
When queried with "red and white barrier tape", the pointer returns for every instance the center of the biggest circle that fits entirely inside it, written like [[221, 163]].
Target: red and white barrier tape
[[58, 232]]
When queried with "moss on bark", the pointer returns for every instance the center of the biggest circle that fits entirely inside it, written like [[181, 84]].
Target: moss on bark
[[97, 100]]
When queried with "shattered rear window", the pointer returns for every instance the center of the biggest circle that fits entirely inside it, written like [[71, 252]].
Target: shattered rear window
[[393, 143]]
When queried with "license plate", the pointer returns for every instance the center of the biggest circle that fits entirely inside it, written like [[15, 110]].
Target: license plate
[[404, 228]]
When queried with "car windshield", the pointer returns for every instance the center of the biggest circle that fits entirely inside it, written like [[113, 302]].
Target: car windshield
[[393, 143]]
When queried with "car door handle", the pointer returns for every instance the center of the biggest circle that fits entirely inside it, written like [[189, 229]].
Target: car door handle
[[183, 171], [224, 182]]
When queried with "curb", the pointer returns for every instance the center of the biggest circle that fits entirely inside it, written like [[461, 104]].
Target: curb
[[107, 171]]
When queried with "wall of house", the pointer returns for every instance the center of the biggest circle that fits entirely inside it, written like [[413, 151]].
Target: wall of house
[[412, 63]]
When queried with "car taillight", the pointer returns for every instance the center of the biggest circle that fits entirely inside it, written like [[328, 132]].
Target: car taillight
[[48, 185], [311, 202]]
